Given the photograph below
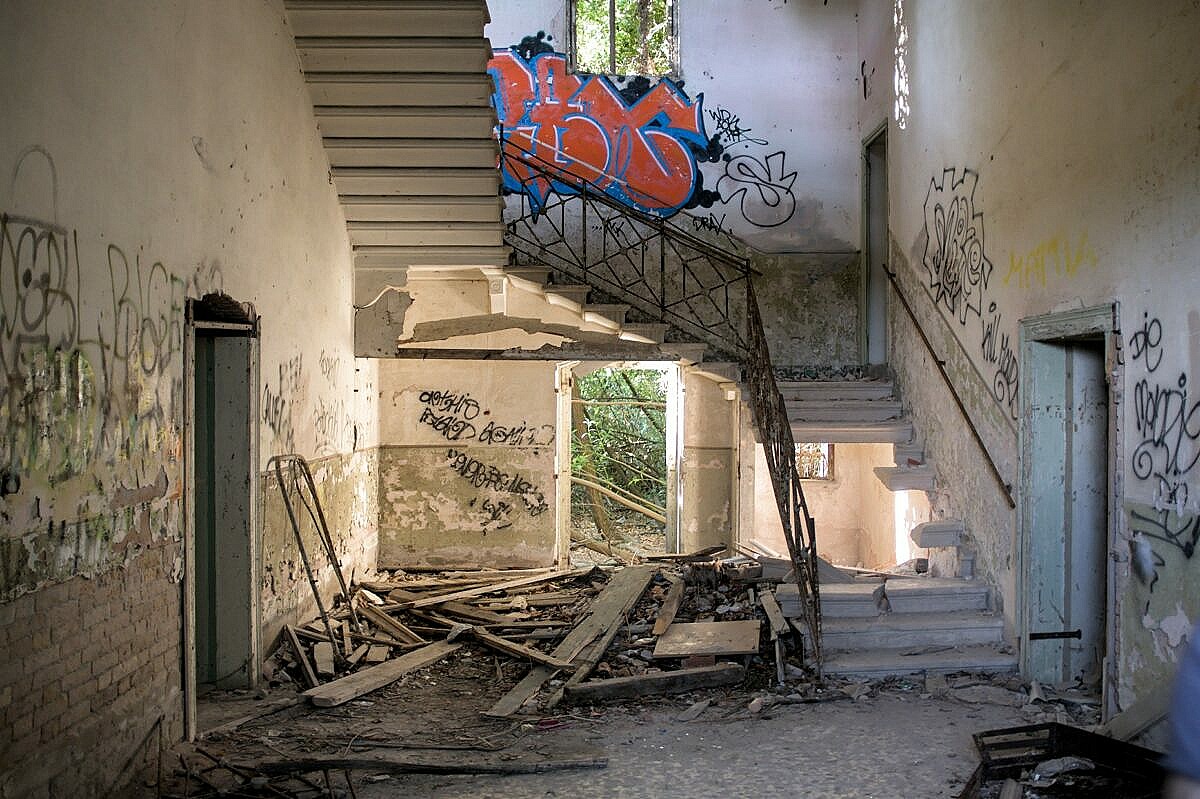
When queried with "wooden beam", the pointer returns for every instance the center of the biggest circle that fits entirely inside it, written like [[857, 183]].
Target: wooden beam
[[467, 593], [366, 680], [709, 638], [306, 669], [666, 682], [608, 610], [670, 606], [518, 650], [390, 625], [779, 625]]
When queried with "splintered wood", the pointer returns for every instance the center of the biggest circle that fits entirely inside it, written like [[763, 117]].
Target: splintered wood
[[709, 638]]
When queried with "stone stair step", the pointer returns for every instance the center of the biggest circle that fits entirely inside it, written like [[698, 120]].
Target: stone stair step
[[834, 390], [534, 274], [576, 292], [905, 478], [937, 595], [893, 661], [912, 630], [892, 430], [655, 331], [909, 453], [612, 310], [843, 410]]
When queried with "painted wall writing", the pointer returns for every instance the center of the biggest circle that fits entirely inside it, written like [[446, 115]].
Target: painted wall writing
[[641, 142], [958, 273], [1167, 422], [636, 150], [280, 397], [457, 417], [496, 511], [1060, 257]]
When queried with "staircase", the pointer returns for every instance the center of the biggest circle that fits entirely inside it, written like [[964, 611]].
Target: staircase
[[403, 101], [903, 626]]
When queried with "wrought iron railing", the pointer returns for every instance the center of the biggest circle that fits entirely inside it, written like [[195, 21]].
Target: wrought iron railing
[[572, 226]]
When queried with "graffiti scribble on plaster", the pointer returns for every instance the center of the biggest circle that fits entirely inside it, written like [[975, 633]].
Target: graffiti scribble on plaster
[[764, 188], [958, 273], [958, 269], [637, 152]]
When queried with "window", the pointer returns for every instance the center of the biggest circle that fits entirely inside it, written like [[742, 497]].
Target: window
[[814, 461], [624, 37]]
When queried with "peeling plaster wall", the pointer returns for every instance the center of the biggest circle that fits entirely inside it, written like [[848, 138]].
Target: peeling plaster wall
[[143, 163], [466, 464], [1046, 158], [765, 146]]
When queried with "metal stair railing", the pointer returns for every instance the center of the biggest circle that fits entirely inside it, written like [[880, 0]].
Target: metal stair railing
[[669, 274]]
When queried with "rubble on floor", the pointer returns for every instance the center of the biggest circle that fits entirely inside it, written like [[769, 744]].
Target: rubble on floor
[[468, 668]]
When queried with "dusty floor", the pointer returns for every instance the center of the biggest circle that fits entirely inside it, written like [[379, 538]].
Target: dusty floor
[[892, 741]]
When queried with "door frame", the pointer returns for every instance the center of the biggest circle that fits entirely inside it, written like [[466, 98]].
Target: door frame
[[878, 134], [249, 330], [1062, 327]]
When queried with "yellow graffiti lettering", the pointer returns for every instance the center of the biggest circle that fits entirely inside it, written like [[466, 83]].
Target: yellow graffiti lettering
[[1054, 258]]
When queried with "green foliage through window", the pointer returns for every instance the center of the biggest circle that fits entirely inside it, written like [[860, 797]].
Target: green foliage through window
[[624, 37], [814, 461]]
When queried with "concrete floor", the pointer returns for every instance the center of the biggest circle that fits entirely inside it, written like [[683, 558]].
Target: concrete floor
[[892, 745]]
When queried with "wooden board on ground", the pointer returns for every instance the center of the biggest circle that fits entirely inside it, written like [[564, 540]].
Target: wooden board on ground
[[378, 653], [390, 626], [323, 656], [708, 553], [375, 677], [670, 606], [489, 588], [306, 669], [606, 612], [709, 638], [665, 682], [779, 625], [517, 650]]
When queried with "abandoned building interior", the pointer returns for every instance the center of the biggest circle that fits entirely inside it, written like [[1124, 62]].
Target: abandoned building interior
[[916, 291]]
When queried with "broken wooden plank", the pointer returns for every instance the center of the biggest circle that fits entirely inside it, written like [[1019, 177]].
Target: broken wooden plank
[[687, 557], [709, 638], [359, 654], [389, 764], [518, 650], [373, 678], [390, 625], [670, 606], [377, 653], [489, 588], [770, 606], [608, 609], [323, 656], [306, 669], [665, 682]]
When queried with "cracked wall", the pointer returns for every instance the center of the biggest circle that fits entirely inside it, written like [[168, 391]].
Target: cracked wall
[[466, 464], [139, 167], [1015, 191]]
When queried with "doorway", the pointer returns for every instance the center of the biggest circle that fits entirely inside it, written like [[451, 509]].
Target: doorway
[[875, 254], [623, 437], [221, 573], [1068, 495]]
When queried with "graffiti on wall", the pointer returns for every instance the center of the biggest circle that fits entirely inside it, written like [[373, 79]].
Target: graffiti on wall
[[958, 274], [1057, 258], [1165, 456], [638, 153], [484, 477], [642, 142], [458, 416], [90, 397]]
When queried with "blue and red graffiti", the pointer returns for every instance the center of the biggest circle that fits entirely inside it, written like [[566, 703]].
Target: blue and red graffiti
[[639, 153]]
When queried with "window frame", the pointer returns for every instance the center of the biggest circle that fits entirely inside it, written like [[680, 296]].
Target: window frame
[[673, 71], [830, 475]]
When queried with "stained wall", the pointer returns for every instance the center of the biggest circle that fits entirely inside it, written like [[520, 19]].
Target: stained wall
[[143, 164], [1044, 158]]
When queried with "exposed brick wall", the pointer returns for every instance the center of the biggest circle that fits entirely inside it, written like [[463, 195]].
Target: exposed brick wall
[[90, 666]]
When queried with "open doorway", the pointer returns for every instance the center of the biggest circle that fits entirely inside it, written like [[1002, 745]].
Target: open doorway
[[875, 244], [624, 445], [221, 579], [1067, 495]]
